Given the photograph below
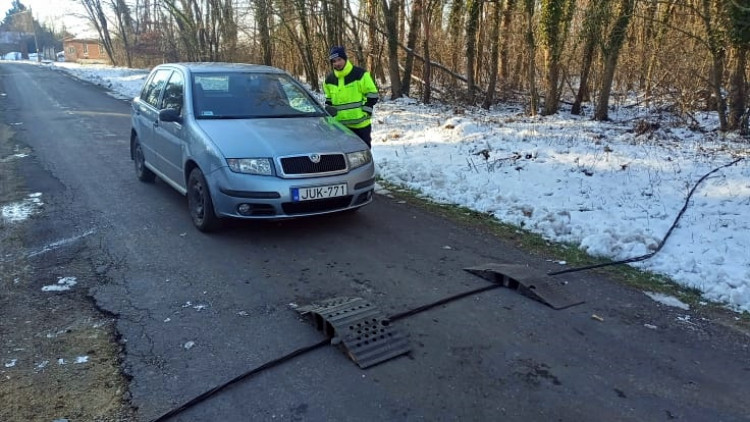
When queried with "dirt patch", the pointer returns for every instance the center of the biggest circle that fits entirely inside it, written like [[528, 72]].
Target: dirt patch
[[59, 356]]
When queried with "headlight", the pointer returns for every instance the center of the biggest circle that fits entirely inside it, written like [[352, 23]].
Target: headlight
[[359, 158], [251, 165]]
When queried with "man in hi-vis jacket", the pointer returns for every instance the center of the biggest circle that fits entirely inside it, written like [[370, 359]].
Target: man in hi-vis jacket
[[351, 90]]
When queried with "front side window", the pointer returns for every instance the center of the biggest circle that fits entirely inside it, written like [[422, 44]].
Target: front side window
[[152, 90], [235, 95], [173, 92]]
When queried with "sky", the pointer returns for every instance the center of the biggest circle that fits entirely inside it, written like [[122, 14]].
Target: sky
[[603, 187], [54, 12]]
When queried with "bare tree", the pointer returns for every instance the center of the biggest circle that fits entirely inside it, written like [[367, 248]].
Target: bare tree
[[505, 43], [124, 22], [98, 19], [263, 16], [391, 28], [415, 23], [455, 33], [294, 18], [554, 19], [472, 27], [529, 8], [667, 12], [494, 54], [610, 54], [739, 39], [596, 17], [709, 12], [426, 40]]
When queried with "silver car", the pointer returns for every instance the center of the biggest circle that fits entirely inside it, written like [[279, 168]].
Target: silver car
[[246, 141]]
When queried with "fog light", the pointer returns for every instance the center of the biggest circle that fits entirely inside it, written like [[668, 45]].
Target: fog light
[[244, 209]]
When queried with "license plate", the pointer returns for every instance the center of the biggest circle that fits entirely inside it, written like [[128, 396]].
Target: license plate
[[318, 192]]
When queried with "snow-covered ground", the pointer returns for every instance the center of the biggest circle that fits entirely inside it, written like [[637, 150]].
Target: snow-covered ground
[[612, 189]]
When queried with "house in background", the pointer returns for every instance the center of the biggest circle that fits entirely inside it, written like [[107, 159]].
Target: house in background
[[84, 50], [12, 42]]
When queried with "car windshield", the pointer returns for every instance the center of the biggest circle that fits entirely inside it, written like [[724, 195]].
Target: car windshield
[[235, 95]]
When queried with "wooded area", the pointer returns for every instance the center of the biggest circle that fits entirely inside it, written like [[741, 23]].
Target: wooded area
[[682, 55]]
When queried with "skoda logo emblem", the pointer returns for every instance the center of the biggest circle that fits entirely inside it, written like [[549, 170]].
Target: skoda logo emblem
[[315, 158]]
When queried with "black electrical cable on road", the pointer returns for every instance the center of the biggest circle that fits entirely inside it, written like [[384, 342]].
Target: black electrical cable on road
[[663, 241], [303, 350], [441, 302], [428, 306], [254, 371]]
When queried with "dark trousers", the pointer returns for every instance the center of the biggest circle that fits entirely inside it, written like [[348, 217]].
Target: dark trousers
[[365, 134]]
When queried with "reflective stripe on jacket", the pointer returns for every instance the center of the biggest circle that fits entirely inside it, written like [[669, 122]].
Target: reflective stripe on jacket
[[353, 93]]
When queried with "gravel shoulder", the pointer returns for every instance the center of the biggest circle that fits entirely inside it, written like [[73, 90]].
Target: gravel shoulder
[[59, 355]]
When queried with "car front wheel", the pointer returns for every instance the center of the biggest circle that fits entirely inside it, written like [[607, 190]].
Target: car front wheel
[[141, 171], [199, 202]]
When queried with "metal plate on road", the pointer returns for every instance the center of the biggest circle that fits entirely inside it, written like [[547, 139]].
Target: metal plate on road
[[360, 327], [535, 284]]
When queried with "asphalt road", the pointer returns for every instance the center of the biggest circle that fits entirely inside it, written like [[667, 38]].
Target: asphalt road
[[195, 311]]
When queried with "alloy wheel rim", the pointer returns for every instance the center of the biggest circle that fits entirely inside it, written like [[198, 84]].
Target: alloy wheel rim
[[198, 200], [139, 159]]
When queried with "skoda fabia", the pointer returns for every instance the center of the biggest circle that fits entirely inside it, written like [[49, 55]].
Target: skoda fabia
[[246, 141]]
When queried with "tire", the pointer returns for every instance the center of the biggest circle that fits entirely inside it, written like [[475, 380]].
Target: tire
[[141, 171], [200, 204]]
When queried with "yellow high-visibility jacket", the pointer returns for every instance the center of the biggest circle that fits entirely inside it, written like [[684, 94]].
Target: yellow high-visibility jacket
[[353, 93]]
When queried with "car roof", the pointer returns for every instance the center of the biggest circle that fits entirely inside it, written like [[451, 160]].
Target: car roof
[[222, 67]]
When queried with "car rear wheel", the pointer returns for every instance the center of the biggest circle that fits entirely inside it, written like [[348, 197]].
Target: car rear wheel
[[199, 202], [141, 171]]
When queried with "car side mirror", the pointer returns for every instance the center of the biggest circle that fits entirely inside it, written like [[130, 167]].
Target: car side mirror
[[170, 115], [331, 110]]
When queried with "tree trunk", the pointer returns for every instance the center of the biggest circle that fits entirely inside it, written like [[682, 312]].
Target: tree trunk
[[392, 39], [507, 20], [427, 66], [455, 34], [716, 48], [472, 26], [263, 13], [612, 49], [494, 55], [125, 26], [98, 19], [372, 36], [737, 97], [667, 12], [411, 44], [554, 24], [531, 63], [308, 58], [597, 16], [739, 37]]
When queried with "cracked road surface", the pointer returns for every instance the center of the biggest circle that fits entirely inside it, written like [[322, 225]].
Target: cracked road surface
[[193, 311]]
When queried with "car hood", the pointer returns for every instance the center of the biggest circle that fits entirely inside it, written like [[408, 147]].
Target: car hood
[[273, 137]]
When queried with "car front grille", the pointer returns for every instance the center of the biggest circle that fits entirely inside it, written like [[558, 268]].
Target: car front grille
[[304, 165], [320, 205]]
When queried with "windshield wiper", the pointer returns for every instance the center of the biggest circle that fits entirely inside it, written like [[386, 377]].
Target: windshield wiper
[[277, 116]]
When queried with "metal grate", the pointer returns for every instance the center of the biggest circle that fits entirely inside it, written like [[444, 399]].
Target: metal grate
[[303, 164], [554, 293], [363, 331]]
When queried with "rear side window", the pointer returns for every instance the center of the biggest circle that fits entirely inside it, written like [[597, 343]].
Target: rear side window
[[152, 89]]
